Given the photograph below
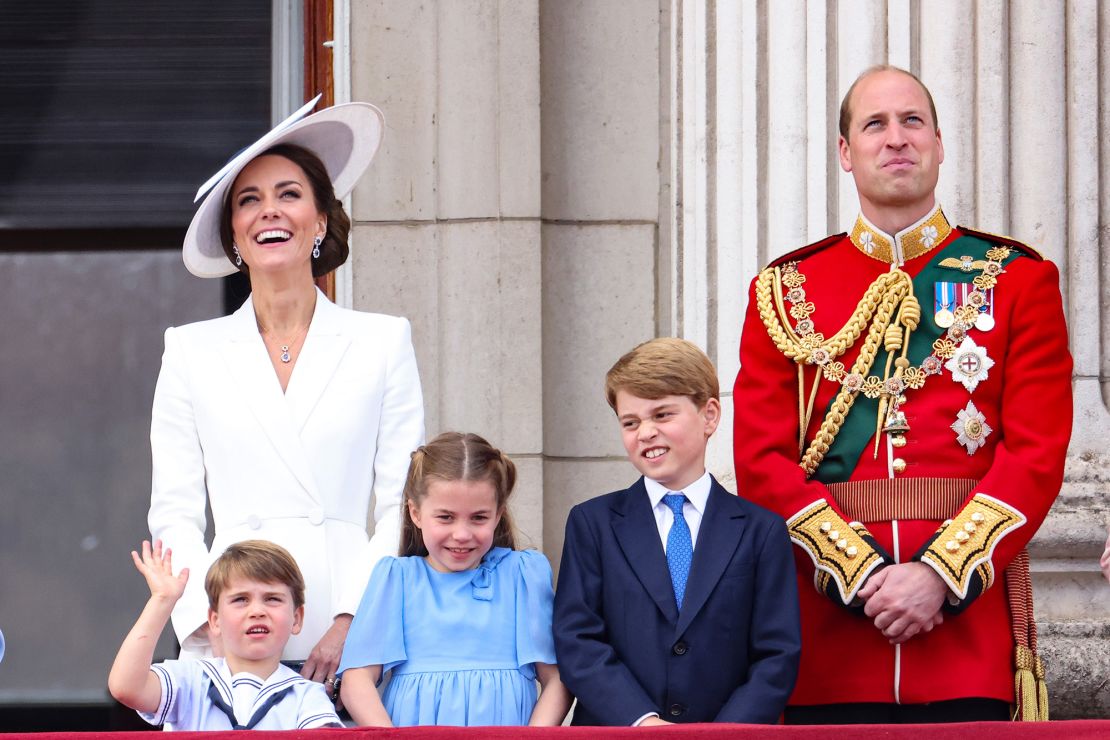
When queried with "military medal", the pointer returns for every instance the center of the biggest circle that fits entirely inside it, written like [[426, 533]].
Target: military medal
[[969, 364], [971, 428], [985, 320], [950, 295], [982, 301], [944, 301]]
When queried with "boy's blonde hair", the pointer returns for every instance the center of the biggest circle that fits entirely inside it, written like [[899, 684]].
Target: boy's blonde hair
[[664, 367], [256, 560]]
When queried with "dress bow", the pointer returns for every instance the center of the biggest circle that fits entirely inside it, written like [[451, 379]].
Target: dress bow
[[481, 584]]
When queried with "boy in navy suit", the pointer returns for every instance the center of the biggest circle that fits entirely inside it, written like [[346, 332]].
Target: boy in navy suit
[[676, 600]]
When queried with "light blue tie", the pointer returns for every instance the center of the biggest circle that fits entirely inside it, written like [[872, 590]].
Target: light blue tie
[[680, 546]]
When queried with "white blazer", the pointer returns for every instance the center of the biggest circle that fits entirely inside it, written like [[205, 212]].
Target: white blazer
[[297, 468]]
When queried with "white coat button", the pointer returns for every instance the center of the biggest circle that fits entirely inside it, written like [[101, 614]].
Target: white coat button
[[316, 517], [254, 522]]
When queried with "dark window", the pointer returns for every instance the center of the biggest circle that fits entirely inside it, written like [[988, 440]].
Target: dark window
[[113, 112]]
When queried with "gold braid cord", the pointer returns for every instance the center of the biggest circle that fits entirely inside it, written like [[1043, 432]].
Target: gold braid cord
[[797, 348], [875, 311]]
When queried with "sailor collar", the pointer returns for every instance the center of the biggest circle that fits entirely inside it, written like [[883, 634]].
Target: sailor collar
[[907, 244], [270, 690]]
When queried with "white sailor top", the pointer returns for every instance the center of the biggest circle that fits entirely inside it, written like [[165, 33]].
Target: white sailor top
[[203, 695]]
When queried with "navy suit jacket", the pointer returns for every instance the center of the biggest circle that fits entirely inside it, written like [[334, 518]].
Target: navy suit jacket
[[623, 647]]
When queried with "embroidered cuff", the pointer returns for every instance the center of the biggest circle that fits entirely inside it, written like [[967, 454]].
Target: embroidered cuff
[[962, 548], [844, 553]]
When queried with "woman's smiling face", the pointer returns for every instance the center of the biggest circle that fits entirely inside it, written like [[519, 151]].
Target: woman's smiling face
[[273, 215]]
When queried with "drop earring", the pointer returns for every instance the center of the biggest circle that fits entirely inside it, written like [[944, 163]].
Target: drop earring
[[238, 259], [316, 242]]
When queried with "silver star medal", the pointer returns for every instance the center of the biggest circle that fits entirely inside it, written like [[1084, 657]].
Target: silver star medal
[[971, 428], [970, 364]]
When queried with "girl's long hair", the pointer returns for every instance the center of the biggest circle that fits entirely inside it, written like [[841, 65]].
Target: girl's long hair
[[457, 456]]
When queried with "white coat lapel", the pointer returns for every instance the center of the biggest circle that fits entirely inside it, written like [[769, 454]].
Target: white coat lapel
[[324, 347], [250, 369]]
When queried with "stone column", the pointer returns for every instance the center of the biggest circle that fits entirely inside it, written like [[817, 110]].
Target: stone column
[[447, 221], [601, 184]]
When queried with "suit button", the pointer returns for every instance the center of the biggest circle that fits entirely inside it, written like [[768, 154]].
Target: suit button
[[254, 522], [676, 710], [316, 517], [680, 648]]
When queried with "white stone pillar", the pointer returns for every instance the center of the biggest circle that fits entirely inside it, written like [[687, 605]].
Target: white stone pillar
[[447, 221], [600, 84]]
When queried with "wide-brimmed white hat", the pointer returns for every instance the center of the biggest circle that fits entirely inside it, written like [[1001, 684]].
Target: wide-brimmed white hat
[[345, 137]]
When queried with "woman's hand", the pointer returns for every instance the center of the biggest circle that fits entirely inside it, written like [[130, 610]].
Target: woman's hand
[[324, 659]]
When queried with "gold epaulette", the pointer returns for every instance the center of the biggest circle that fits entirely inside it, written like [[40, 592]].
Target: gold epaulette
[[1007, 241], [838, 549], [808, 250], [965, 544]]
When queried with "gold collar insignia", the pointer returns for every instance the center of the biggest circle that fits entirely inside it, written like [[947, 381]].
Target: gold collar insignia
[[905, 245]]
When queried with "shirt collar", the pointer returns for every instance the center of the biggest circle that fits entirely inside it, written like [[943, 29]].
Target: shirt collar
[[907, 244], [697, 493], [220, 674]]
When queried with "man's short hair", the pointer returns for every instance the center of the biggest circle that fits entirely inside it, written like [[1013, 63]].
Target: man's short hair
[[663, 367], [255, 560], [845, 104]]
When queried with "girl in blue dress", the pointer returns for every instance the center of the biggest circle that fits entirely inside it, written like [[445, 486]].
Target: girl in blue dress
[[462, 619]]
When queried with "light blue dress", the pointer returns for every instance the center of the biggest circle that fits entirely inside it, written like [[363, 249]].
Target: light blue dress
[[461, 646]]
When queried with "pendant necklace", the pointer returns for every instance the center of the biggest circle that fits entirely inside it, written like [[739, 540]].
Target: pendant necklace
[[285, 355]]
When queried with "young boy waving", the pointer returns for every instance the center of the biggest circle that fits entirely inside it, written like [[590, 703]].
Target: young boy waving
[[256, 602]]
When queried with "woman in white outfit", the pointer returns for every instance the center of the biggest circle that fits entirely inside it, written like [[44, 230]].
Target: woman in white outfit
[[292, 415]]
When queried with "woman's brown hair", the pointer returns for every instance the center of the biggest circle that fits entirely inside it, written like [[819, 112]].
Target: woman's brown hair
[[456, 456], [334, 250]]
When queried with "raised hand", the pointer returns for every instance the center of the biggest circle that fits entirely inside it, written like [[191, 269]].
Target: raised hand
[[156, 565], [131, 681]]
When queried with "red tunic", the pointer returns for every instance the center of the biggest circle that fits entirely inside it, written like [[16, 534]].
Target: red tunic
[[1025, 399]]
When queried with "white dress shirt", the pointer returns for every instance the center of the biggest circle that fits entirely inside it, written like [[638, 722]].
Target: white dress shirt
[[697, 495]]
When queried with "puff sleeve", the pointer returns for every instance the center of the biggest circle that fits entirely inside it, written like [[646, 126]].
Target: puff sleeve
[[377, 634], [534, 602]]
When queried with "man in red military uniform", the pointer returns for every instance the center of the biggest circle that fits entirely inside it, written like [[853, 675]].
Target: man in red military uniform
[[904, 402]]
